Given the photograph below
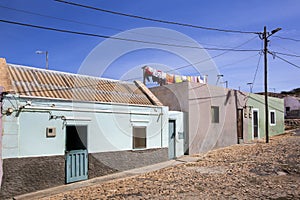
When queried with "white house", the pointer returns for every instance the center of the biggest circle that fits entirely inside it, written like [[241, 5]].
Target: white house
[[59, 127]]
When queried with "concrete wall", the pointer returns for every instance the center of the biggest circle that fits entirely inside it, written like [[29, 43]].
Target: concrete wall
[[25, 136], [205, 135], [257, 102], [196, 99], [24, 175], [174, 96]]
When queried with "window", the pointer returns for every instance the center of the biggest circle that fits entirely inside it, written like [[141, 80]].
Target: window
[[215, 114], [287, 109], [272, 117], [139, 137]]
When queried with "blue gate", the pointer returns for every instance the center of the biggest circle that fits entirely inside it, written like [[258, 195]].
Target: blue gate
[[76, 165]]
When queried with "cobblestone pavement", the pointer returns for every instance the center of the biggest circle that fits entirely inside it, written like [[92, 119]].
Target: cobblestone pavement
[[250, 171]]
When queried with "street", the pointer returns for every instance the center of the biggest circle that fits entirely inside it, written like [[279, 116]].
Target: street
[[249, 171]]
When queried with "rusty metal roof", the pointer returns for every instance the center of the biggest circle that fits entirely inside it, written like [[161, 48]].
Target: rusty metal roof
[[36, 82]]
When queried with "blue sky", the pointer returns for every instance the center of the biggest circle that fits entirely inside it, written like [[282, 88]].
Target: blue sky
[[67, 52]]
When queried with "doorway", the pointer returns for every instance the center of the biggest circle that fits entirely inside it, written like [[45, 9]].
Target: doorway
[[172, 141], [255, 123], [76, 154], [240, 126]]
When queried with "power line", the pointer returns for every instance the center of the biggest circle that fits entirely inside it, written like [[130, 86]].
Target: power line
[[202, 61], [285, 60], [255, 74], [238, 61], [89, 24], [122, 39], [155, 20], [229, 64], [286, 54], [58, 18], [286, 38]]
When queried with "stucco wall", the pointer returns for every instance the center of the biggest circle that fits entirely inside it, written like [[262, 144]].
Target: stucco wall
[[205, 135], [174, 96], [25, 136], [196, 99]]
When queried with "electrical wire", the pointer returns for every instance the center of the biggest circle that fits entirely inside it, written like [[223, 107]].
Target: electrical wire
[[286, 38], [284, 60], [257, 67], [286, 54], [61, 19], [141, 76], [202, 61], [155, 20], [122, 39], [94, 25]]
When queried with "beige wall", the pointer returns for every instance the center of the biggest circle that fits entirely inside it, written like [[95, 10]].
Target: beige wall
[[197, 99]]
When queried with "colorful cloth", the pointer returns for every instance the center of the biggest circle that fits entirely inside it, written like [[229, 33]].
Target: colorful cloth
[[178, 79], [170, 78]]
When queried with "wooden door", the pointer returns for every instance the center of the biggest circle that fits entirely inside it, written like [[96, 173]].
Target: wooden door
[[240, 125]]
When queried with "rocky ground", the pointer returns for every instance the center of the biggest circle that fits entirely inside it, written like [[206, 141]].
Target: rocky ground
[[250, 171]]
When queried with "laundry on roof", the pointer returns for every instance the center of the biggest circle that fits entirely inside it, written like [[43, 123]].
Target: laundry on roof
[[165, 78]]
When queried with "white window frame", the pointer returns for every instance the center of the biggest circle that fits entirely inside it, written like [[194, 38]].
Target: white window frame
[[272, 111]]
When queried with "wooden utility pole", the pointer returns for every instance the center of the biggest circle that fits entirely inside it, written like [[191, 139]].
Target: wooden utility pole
[[265, 37]]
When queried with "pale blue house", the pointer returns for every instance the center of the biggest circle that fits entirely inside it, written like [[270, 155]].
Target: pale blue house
[[59, 128]]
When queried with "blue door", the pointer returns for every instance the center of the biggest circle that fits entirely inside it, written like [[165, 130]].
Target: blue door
[[172, 132], [76, 156], [76, 165]]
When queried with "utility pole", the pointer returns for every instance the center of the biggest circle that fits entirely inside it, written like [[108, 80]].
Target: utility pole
[[265, 36]]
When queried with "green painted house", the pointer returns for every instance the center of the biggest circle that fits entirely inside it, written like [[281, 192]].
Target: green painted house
[[256, 115]]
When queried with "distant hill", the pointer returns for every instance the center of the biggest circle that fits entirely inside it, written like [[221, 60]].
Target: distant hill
[[294, 92]]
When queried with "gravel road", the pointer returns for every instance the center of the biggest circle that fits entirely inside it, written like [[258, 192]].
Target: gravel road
[[249, 171]]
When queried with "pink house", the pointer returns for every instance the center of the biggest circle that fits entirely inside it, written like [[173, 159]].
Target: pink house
[[292, 107]]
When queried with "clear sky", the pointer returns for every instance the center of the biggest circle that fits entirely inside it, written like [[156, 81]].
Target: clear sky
[[67, 51]]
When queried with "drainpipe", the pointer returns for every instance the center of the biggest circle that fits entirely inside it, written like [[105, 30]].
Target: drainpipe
[[1, 129]]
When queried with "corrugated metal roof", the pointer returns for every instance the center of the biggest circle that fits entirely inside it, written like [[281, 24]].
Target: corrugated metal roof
[[35, 82]]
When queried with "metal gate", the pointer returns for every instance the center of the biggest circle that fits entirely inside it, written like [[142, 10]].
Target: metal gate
[[76, 165]]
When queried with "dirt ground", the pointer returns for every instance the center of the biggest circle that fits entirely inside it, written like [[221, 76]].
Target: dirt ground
[[249, 171]]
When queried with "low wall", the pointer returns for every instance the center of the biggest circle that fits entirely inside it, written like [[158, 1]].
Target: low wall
[[25, 175], [291, 124], [124, 160]]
